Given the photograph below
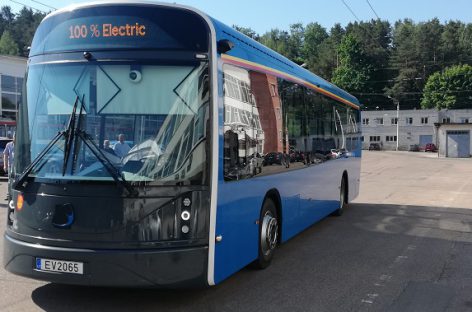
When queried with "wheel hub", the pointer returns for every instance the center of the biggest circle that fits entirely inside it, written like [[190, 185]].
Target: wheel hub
[[269, 233]]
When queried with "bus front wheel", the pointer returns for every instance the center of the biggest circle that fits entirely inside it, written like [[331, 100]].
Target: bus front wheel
[[268, 234]]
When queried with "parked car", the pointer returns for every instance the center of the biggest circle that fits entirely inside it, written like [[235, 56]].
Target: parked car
[[374, 147], [414, 148], [273, 158], [3, 143], [430, 147], [297, 156], [334, 153]]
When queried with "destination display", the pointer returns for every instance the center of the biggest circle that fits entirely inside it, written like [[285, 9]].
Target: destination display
[[121, 28], [106, 30]]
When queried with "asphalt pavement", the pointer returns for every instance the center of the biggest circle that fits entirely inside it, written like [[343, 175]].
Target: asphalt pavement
[[405, 244]]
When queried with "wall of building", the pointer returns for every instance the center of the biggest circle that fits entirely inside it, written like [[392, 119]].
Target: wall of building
[[412, 124], [12, 71], [443, 130]]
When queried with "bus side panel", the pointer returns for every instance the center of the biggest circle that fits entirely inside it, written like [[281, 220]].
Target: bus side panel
[[308, 195], [318, 188]]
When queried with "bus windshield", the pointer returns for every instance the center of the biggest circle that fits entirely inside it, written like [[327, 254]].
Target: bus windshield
[[145, 121]]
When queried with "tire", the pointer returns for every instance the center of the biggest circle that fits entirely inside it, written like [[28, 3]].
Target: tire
[[342, 198], [268, 234]]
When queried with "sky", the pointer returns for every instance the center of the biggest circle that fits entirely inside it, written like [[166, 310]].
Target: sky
[[264, 15]]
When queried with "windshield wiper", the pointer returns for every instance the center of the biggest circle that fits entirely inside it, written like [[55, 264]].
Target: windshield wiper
[[88, 140], [69, 135], [66, 132], [76, 145]]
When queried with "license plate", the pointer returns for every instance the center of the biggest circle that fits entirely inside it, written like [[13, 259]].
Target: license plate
[[59, 266]]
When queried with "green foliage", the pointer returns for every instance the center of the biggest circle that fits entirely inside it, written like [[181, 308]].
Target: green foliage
[[20, 26], [315, 46], [371, 59], [7, 44], [450, 88], [276, 40], [374, 60], [247, 31], [353, 71]]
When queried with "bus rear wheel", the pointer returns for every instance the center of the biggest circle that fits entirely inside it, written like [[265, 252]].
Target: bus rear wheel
[[268, 234], [342, 198]]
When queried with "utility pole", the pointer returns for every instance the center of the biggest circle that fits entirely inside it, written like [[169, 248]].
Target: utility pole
[[398, 121], [397, 103]]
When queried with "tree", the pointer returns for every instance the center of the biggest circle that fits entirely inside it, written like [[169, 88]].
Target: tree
[[6, 18], [24, 28], [328, 58], [451, 49], [410, 62], [295, 43], [465, 41], [247, 31], [277, 40], [7, 44], [353, 71], [375, 38], [451, 88], [315, 35]]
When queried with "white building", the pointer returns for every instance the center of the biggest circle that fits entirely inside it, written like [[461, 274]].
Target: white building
[[454, 139], [12, 71], [415, 128]]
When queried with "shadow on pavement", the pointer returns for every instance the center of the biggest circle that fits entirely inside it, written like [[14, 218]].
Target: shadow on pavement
[[331, 266]]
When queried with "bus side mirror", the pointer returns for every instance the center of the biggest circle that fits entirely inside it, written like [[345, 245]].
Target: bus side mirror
[[224, 45]]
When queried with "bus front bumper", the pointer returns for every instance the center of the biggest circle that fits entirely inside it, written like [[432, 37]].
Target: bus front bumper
[[156, 268]]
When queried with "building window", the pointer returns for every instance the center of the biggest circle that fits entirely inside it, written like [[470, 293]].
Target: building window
[[9, 83], [365, 121], [391, 138], [11, 95], [446, 120], [465, 120], [278, 113], [394, 121], [409, 120], [374, 138], [238, 89], [424, 120], [379, 121], [273, 90]]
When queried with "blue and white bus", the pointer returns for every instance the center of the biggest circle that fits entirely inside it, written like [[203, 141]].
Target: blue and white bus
[[157, 147]]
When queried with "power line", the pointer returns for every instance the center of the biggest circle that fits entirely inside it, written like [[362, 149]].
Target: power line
[[27, 6], [46, 5], [350, 10], [372, 9]]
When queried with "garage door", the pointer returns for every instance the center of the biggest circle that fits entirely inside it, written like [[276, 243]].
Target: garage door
[[458, 144], [425, 139]]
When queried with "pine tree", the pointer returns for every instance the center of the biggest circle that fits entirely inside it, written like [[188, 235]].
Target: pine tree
[[8, 46]]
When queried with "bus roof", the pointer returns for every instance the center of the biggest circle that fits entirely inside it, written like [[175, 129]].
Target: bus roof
[[280, 65], [260, 56]]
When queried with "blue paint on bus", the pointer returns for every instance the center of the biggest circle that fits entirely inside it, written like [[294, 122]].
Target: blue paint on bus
[[306, 195]]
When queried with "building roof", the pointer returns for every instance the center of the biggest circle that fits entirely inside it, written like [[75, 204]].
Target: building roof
[[13, 58]]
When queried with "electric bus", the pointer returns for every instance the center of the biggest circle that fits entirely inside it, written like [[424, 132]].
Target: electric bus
[[158, 147]]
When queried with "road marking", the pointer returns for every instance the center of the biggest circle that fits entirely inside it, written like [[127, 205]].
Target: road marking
[[384, 279]]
